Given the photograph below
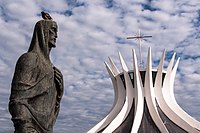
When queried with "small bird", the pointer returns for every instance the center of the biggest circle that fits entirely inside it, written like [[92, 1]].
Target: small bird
[[46, 16]]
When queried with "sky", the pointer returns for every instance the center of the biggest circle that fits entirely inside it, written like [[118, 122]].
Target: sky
[[90, 32]]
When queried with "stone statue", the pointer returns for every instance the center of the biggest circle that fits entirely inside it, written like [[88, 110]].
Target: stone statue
[[37, 85]]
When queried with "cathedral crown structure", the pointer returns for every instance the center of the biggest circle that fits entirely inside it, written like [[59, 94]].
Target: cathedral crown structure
[[144, 100]]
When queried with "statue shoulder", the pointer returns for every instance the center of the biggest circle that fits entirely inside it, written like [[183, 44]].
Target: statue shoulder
[[24, 66], [27, 59]]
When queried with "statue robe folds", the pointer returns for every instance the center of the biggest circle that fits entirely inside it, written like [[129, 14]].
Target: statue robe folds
[[37, 85]]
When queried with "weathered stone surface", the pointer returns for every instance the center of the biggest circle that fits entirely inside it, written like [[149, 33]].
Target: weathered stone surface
[[37, 85]]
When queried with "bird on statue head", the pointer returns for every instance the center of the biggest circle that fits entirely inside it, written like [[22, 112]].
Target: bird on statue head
[[46, 16]]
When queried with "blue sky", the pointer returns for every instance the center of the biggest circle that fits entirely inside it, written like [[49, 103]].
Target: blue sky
[[89, 32]]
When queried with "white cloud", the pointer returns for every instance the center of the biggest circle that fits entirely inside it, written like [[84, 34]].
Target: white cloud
[[51, 5], [88, 37]]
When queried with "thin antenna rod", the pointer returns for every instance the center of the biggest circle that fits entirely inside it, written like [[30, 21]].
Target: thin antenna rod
[[139, 38], [140, 49]]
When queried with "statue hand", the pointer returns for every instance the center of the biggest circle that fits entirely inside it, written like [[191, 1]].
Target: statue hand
[[59, 82]]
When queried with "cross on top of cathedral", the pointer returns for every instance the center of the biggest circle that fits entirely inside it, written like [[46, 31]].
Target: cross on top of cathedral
[[139, 37]]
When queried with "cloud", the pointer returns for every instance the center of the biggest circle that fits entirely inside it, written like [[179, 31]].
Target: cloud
[[89, 32], [53, 6]]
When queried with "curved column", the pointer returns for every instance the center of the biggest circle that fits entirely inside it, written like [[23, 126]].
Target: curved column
[[129, 86], [98, 125], [158, 80], [118, 101], [128, 102], [121, 96], [150, 96], [139, 97], [115, 72], [171, 101], [163, 96], [113, 67]]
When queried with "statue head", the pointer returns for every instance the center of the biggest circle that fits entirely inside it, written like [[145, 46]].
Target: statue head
[[44, 38], [53, 35]]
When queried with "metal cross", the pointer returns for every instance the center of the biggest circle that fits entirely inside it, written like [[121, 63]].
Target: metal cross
[[139, 38]]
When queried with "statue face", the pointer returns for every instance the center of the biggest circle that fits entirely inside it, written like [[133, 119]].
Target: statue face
[[53, 35]]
